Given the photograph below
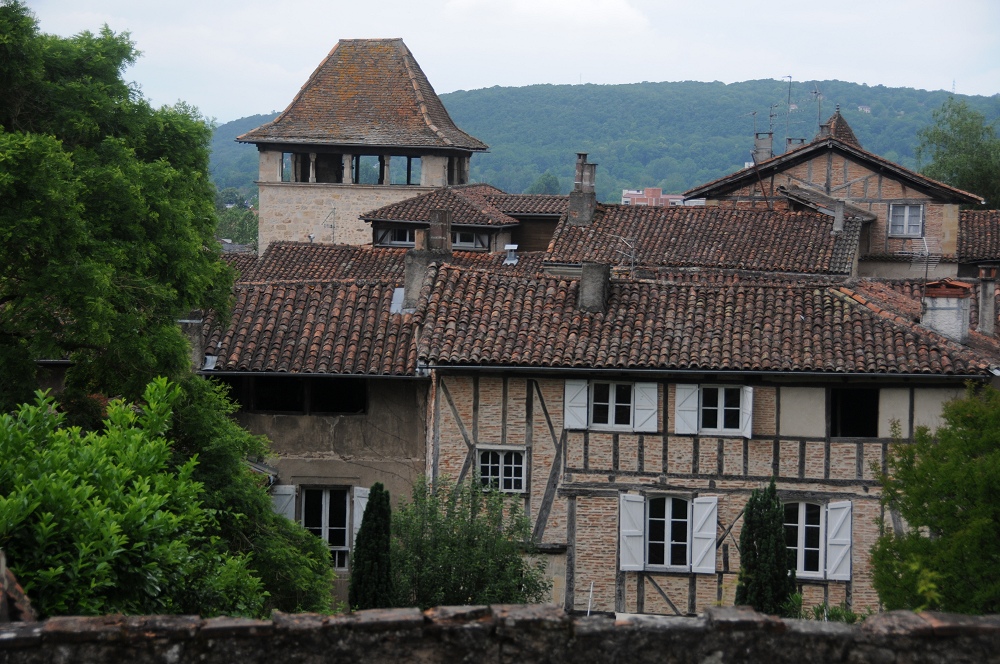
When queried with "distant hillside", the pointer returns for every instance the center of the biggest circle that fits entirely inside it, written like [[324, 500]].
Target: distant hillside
[[669, 135]]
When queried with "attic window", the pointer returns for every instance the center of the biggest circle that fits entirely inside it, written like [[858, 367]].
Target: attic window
[[394, 237], [853, 412], [469, 240], [293, 395], [906, 220]]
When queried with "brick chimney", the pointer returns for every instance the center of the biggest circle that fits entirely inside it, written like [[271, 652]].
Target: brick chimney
[[583, 199], [946, 308], [430, 246], [595, 285]]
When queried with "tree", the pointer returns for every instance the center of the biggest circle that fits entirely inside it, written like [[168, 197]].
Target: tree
[[454, 545], [766, 581], [371, 566], [964, 151], [108, 219], [944, 486], [547, 183], [100, 523]]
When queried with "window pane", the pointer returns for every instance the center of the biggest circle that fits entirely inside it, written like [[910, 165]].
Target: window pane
[[709, 418], [657, 530], [338, 518], [655, 553], [678, 554], [312, 510], [657, 508], [623, 415], [623, 395], [710, 397], [602, 392], [811, 561], [679, 508], [812, 514], [600, 414]]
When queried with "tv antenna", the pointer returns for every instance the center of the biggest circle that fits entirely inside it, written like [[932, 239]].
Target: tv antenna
[[788, 107], [819, 104]]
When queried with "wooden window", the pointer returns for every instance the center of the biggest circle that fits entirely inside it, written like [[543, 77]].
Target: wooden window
[[502, 469], [818, 539], [606, 405], [906, 220], [667, 532], [713, 409]]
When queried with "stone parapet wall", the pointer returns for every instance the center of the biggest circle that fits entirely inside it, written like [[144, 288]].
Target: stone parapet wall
[[503, 633]]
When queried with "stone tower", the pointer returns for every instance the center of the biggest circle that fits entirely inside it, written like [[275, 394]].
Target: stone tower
[[366, 130]]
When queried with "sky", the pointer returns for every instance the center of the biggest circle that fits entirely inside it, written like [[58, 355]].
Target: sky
[[234, 58]]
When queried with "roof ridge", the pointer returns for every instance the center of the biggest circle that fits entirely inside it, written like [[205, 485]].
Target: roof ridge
[[421, 102]]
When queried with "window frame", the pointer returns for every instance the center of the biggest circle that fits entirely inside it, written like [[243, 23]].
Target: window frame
[[340, 555], [503, 466], [835, 540], [612, 405], [480, 241], [667, 543], [702, 528], [383, 237], [689, 413], [578, 406], [906, 223]]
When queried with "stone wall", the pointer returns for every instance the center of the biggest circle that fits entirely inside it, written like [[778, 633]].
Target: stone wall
[[506, 633]]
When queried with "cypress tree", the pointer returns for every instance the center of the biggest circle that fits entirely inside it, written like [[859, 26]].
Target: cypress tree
[[765, 581], [371, 577]]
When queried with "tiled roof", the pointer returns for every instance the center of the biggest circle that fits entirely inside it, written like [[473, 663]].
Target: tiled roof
[[837, 127], [817, 200], [473, 317], [244, 264], [530, 204], [715, 237], [366, 92], [297, 261], [979, 235], [342, 327], [470, 205], [739, 179]]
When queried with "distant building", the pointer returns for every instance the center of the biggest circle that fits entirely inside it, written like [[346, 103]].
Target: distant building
[[653, 197]]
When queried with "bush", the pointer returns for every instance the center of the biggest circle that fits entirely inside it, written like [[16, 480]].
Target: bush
[[371, 567], [456, 545], [766, 581]]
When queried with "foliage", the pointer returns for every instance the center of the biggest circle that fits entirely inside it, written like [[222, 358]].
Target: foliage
[[99, 523], [944, 487], [371, 575], [964, 151], [454, 545], [239, 223], [293, 565], [765, 580], [547, 183], [108, 221]]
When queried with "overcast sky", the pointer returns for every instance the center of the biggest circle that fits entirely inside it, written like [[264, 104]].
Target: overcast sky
[[236, 58]]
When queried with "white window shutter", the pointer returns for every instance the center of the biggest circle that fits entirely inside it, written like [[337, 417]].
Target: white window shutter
[[704, 523], [645, 408], [686, 409], [746, 412], [360, 503], [283, 500], [575, 404], [838, 541], [631, 531]]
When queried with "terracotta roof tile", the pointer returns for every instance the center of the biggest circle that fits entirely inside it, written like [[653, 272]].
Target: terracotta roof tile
[[530, 204], [470, 205], [715, 237], [979, 235], [837, 127], [366, 92], [473, 317]]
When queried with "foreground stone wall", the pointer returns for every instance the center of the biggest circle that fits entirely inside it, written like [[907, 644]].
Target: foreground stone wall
[[521, 634]]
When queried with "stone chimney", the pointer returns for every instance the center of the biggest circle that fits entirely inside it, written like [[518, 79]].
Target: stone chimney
[[430, 246], [838, 217], [191, 327], [762, 146], [595, 285], [987, 299], [583, 199], [946, 308]]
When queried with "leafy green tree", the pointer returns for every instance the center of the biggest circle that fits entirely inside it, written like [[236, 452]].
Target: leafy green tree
[[371, 565], [766, 582], [547, 183], [293, 565], [108, 217], [454, 545], [944, 486], [100, 523], [963, 151]]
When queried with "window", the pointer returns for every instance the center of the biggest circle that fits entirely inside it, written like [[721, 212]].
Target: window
[[818, 539], [326, 395], [906, 220], [332, 514], [395, 237], [502, 469], [853, 413], [667, 533], [713, 409], [607, 405], [469, 240]]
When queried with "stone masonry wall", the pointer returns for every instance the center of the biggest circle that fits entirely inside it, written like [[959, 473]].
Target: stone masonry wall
[[503, 633]]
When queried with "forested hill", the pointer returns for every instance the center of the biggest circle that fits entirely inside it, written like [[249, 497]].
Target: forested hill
[[669, 135]]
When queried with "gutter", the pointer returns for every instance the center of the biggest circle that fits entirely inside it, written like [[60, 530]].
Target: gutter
[[292, 374]]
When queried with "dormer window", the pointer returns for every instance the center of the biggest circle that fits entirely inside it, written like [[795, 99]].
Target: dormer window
[[906, 220], [469, 241], [394, 237]]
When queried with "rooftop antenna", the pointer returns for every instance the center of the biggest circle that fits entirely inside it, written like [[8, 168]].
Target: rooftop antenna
[[819, 104], [788, 114], [627, 254]]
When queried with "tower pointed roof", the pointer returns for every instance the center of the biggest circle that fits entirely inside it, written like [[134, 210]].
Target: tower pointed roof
[[838, 128], [366, 92]]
